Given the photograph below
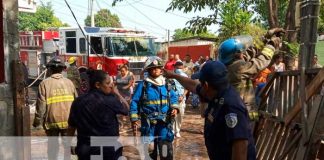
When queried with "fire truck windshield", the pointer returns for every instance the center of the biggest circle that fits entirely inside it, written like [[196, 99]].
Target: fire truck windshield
[[129, 46]]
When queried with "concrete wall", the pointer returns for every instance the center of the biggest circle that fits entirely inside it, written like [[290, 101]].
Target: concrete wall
[[11, 50]]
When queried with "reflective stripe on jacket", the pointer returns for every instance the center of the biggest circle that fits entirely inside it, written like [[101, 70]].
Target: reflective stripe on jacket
[[156, 101], [241, 72]]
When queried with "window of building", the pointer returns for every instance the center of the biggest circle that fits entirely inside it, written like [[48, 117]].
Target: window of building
[[82, 44], [96, 45], [70, 41]]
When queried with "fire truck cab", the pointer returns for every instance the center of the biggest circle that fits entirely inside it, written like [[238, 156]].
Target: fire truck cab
[[106, 48]]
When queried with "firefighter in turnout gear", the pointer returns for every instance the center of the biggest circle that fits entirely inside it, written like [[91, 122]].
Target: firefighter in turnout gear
[[244, 58], [55, 96], [73, 73], [154, 105]]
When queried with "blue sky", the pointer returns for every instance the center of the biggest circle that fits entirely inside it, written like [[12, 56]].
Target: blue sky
[[147, 15]]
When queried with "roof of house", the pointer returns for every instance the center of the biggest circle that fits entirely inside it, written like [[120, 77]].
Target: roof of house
[[195, 37]]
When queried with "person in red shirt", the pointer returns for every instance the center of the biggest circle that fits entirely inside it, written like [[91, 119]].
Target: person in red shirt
[[169, 65]]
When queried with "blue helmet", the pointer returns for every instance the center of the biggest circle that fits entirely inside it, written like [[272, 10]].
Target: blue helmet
[[228, 49]]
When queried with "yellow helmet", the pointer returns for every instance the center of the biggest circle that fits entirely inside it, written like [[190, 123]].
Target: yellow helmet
[[72, 60]]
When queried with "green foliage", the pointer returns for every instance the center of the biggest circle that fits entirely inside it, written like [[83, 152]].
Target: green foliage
[[263, 12], [104, 18], [197, 24], [320, 27], [183, 33], [43, 19], [255, 30], [234, 19], [293, 47]]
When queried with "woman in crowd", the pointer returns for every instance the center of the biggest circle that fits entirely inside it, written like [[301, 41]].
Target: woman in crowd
[[94, 114], [125, 82], [278, 65]]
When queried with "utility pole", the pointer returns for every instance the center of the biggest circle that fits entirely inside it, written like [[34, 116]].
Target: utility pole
[[92, 13]]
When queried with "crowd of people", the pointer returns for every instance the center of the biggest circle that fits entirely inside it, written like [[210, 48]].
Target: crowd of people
[[225, 90]]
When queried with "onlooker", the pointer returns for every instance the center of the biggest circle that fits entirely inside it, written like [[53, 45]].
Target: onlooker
[[278, 66], [315, 62], [226, 131], [188, 65], [181, 93], [177, 57], [55, 96], [73, 73], [195, 98], [125, 82], [169, 65], [94, 114]]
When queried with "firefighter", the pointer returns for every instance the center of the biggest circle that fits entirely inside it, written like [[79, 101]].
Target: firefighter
[[226, 131], [154, 105], [245, 58], [55, 96], [73, 73]]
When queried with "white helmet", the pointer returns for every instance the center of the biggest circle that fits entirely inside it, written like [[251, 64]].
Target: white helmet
[[152, 62]]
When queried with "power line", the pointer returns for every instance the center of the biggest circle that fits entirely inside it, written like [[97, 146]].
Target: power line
[[145, 16], [134, 23], [129, 19], [126, 18], [128, 4], [159, 9]]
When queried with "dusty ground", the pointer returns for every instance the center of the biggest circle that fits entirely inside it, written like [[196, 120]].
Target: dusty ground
[[189, 146]]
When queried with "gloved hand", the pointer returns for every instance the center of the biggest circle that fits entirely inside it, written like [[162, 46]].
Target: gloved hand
[[275, 32], [275, 42]]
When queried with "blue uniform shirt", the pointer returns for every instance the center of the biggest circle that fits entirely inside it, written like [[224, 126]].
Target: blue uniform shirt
[[156, 101], [226, 121]]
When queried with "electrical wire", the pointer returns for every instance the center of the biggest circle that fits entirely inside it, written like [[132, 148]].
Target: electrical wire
[[145, 16], [128, 4], [159, 9], [85, 37], [129, 19]]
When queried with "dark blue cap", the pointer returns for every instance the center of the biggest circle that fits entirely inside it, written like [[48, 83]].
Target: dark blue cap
[[213, 71]]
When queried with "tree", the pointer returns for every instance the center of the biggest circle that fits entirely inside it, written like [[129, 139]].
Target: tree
[[234, 19], [43, 19], [182, 33], [104, 18]]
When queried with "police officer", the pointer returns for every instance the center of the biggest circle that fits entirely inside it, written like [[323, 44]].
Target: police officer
[[154, 104], [227, 134], [55, 96], [244, 58], [73, 73]]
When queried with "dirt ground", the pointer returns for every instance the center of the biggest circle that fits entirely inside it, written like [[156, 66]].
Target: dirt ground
[[189, 146]]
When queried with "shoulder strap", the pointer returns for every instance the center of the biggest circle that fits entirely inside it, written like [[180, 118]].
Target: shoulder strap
[[144, 93]]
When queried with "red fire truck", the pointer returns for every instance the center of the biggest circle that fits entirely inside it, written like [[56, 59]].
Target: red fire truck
[[106, 48], [36, 49]]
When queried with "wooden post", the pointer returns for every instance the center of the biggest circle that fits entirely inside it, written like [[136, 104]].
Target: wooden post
[[21, 111], [309, 18]]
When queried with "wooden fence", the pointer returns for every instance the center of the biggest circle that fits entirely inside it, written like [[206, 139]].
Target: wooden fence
[[280, 132]]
